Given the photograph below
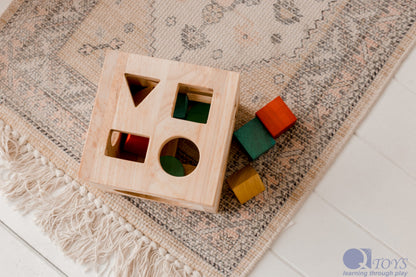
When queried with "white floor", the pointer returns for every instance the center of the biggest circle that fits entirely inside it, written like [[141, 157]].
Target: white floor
[[366, 200]]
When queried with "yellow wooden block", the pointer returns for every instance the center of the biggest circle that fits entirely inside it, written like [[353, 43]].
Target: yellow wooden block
[[188, 168], [246, 184], [170, 148]]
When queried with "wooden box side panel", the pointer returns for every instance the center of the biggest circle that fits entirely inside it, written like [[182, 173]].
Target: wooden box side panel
[[102, 113]]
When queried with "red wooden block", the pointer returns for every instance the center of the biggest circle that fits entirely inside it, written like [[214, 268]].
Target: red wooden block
[[276, 117], [136, 144]]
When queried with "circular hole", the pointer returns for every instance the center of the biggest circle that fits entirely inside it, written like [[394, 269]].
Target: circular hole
[[179, 157]]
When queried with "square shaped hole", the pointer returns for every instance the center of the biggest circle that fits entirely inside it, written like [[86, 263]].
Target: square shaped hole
[[127, 146], [192, 103]]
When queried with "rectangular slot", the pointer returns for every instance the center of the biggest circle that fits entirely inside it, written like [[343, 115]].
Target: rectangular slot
[[192, 103], [126, 146]]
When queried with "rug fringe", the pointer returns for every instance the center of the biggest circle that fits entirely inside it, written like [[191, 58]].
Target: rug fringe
[[86, 229]]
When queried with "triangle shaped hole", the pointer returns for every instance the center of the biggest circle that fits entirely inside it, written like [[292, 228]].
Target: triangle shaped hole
[[140, 87]]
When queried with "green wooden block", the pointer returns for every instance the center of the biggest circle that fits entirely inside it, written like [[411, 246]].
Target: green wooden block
[[198, 112], [254, 138], [172, 166], [181, 106]]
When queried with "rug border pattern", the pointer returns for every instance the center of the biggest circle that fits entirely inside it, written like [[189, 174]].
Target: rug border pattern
[[289, 209]]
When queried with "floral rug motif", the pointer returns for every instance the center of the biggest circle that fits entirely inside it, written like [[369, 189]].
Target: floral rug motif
[[328, 60]]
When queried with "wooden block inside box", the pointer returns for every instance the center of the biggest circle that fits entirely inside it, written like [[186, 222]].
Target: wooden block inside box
[[136, 96]]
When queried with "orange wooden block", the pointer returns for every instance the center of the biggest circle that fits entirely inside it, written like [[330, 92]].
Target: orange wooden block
[[136, 145], [276, 117]]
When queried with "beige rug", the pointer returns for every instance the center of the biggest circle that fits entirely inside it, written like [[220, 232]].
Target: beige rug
[[329, 60]]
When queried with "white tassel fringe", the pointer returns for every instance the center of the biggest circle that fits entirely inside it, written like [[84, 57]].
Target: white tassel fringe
[[86, 229]]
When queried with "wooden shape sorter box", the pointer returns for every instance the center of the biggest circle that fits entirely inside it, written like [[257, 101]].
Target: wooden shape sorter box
[[136, 96]]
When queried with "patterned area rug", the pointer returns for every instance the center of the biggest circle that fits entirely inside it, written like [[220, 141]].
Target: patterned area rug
[[328, 60]]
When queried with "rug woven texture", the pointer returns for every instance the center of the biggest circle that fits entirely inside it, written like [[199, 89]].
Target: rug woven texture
[[328, 60]]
